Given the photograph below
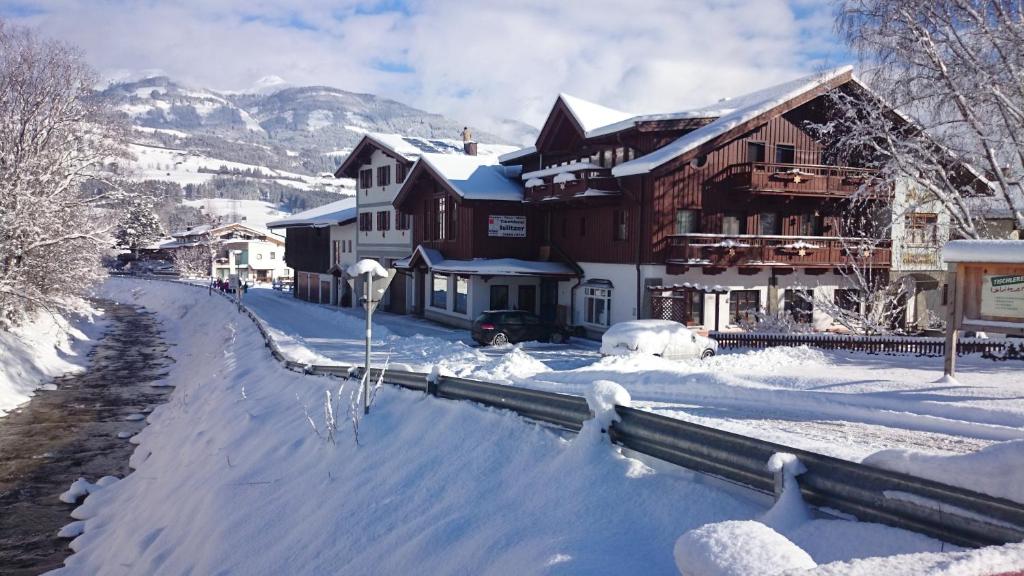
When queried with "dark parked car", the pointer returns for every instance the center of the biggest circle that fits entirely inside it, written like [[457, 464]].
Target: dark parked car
[[496, 327]]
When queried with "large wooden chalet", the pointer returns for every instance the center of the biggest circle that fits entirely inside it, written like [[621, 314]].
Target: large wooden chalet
[[704, 216]]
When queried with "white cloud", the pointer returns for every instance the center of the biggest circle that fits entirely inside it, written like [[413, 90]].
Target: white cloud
[[474, 61]]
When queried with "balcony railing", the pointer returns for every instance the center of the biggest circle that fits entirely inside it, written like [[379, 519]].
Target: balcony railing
[[798, 179], [722, 250], [586, 184]]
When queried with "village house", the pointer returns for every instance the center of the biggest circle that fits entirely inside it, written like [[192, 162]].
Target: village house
[[254, 254], [320, 245], [380, 163], [705, 216]]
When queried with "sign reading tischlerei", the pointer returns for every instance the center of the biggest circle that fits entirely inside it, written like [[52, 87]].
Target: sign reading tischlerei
[[1003, 296]]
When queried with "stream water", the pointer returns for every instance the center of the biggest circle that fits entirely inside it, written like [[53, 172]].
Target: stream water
[[78, 430]]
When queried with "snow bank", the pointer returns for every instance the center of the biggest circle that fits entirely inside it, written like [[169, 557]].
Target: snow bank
[[516, 365], [238, 483], [738, 548], [996, 470], [367, 265], [43, 348]]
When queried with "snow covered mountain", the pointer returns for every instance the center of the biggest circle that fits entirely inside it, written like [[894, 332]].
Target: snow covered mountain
[[277, 144]]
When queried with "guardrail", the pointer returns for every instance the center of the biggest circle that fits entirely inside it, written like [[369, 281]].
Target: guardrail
[[995, 349], [949, 513]]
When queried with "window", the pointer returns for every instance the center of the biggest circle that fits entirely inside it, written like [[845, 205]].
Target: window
[[439, 291], [755, 152], [621, 224], [734, 224], [800, 305], [769, 223], [743, 306], [383, 220], [499, 297], [687, 222], [785, 154], [847, 299], [273, 255], [808, 225], [366, 178], [383, 175], [527, 298], [402, 221], [583, 225], [922, 229], [453, 220], [365, 222], [336, 252], [440, 218], [401, 171], [597, 305], [461, 293]]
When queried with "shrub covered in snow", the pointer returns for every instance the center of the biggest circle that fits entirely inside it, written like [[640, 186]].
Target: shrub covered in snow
[[738, 548]]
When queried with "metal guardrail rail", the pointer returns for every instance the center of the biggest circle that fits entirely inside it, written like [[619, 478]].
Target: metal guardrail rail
[[949, 513]]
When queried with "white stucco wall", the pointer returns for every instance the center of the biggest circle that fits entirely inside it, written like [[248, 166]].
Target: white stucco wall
[[376, 243]]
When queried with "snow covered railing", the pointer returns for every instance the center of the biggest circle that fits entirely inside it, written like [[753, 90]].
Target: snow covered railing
[[995, 349], [839, 487]]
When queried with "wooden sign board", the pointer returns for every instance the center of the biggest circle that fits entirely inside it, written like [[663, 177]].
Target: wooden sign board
[[993, 298]]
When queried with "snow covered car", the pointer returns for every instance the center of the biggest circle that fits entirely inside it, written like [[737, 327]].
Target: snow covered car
[[663, 338]]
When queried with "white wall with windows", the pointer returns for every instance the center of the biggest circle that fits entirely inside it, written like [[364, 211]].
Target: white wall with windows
[[380, 232], [458, 299]]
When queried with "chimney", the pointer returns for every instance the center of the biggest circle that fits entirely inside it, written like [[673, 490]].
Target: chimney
[[468, 145]]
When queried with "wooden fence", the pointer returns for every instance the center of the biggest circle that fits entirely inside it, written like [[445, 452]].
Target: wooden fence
[[995, 349]]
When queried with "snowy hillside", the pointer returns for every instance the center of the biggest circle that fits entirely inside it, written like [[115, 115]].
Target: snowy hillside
[[250, 212]]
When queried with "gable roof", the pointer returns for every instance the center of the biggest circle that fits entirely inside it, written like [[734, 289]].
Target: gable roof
[[735, 114], [468, 177], [335, 213], [407, 149], [590, 115]]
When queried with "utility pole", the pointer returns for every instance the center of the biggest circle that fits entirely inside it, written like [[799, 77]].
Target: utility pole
[[369, 313]]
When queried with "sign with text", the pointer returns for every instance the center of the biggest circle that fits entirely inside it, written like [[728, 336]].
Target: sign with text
[[506, 226], [1003, 296]]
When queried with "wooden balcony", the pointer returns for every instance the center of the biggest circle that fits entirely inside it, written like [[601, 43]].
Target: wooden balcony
[[724, 251], [797, 179], [586, 186]]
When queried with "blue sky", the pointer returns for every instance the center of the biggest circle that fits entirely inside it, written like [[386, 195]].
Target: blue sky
[[475, 61]]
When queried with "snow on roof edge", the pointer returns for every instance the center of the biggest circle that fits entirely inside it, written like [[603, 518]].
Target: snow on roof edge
[[988, 251], [691, 140]]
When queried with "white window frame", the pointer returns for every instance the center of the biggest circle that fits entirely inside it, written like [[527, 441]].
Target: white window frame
[[592, 295]]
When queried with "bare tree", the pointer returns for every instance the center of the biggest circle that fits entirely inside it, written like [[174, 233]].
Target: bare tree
[[53, 139], [945, 109]]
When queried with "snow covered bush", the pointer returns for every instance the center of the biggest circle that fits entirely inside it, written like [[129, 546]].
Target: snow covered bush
[[54, 139]]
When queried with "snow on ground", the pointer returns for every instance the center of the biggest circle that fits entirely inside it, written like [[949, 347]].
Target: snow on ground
[[184, 167], [41, 349], [848, 405], [230, 478], [251, 212]]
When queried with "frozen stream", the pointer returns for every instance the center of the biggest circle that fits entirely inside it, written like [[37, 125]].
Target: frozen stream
[[72, 432]]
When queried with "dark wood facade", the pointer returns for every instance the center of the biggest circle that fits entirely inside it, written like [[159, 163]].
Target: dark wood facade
[[768, 183], [464, 222], [308, 249]]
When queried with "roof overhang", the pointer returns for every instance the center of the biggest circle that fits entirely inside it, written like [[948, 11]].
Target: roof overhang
[[360, 155]]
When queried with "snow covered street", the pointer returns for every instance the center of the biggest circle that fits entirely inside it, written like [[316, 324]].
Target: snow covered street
[[848, 405], [230, 477]]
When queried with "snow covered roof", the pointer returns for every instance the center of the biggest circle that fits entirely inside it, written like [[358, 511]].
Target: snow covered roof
[[590, 115], [412, 147], [517, 153], [571, 167], [731, 114], [475, 177], [503, 267], [990, 251], [329, 214]]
